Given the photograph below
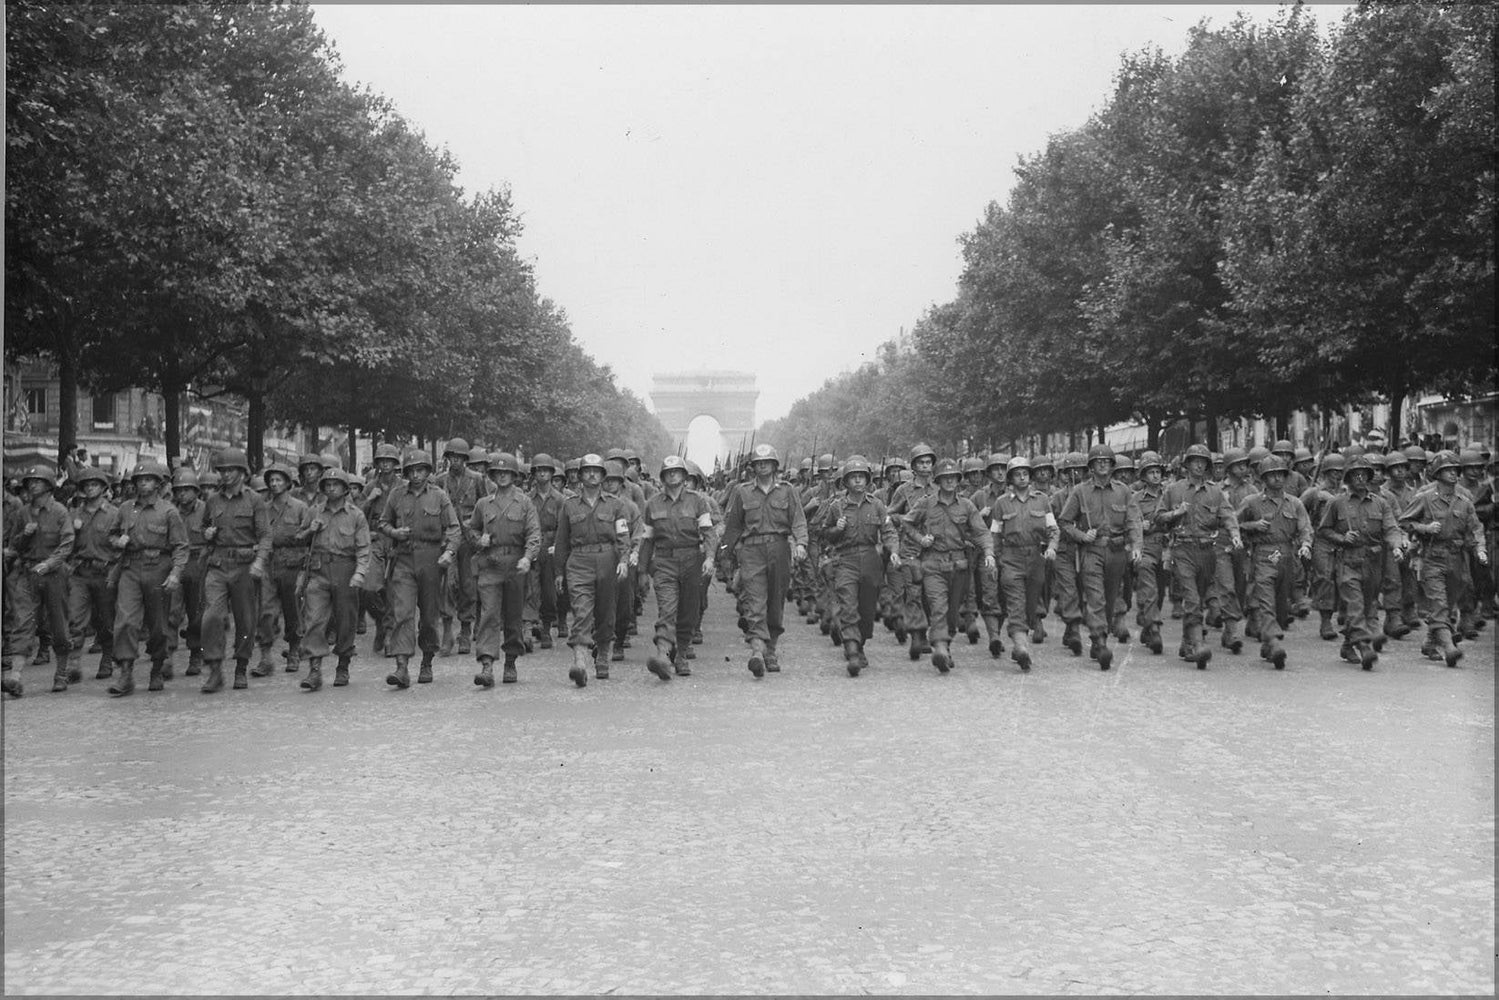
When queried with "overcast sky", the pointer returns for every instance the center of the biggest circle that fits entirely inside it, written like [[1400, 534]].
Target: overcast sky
[[768, 189]]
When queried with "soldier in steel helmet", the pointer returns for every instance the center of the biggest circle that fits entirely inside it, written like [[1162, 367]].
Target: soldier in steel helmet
[[1102, 517], [678, 546], [507, 540], [1151, 575], [337, 564], [990, 601], [38, 545], [697, 481], [309, 473], [913, 607], [1025, 536], [153, 545], [1066, 591], [1361, 525], [856, 528], [594, 543], [290, 520], [1198, 511], [373, 596], [945, 526], [187, 600], [459, 586], [1400, 585], [766, 527], [421, 522], [238, 532], [91, 596], [1444, 522], [1231, 572], [617, 483], [1321, 577], [1279, 535], [1473, 467], [542, 613]]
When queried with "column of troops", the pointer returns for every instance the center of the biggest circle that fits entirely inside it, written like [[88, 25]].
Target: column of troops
[[494, 556]]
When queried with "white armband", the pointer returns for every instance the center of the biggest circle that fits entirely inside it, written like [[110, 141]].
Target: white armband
[[705, 520]]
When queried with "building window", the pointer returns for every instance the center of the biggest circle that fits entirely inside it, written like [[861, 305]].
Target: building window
[[36, 402], [104, 412]]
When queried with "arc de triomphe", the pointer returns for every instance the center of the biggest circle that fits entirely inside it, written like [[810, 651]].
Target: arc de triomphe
[[728, 397]]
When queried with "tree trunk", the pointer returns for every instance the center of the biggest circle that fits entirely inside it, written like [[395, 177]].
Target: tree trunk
[[351, 463], [1211, 417], [171, 397], [1152, 432], [1283, 422], [255, 446], [67, 405], [1397, 400]]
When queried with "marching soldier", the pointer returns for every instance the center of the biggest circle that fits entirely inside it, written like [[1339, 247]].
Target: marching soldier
[[913, 610], [1025, 533], [616, 483], [1151, 574], [765, 520], [154, 546], [945, 526], [1102, 517], [1279, 535], [187, 600], [1198, 511], [541, 590], [38, 544], [990, 602], [856, 526], [593, 545], [1445, 522], [459, 588], [309, 473], [238, 532], [1231, 573], [290, 519], [340, 558], [1322, 576], [91, 598], [677, 547], [1065, 590], [507, 540], [696, 481], [373, 595], [420, 520], [1399, 592], [1360, 524]]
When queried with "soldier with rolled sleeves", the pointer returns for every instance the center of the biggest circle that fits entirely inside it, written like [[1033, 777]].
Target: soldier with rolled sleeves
[[593, 546], [678, 544], [1025, 534], [1362, 526], [238, 531], [373, 595], [507, 540], [913, 609], [947, 525], [856, 529], [38, 544], [990, 601], [1197, 510], [336, 568], [1102, 517], [1444, 522], [1279, 535], [459, 587], [91, 597], [1066, 591], [541, 588], [421, 521], [765, 521], [153, 543], [187, 600], [290, 520], [1151, 575]]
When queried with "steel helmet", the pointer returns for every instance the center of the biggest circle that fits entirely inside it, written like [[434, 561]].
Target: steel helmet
[[45, 473], [543, 461], [1334, 463], [765, 453], [615, 468], [308, 458], [629, 454], [1151, 459], [672, 462], [947, 467], [1394, 458], [328, 460], [1123, 461], [478, 456], [1283, 447], [416, 457], [825, 463], [279, 469], [232, 458], [694, 470], [894, 462], [456, 446], [1353, 451], [207, 480], [185, 478], [1233, 457], [1100, 451], [1415, 453], [922, 450], [1258, 454], [257, 483], [1018, 462], [1375, 459], [389, 451], [1302, 455], [1444, 460], [1197, 451], [1273, 463], [1073, 460], [855, 463], [93, 473], [336, 475], [1357, 462], [1039, 462], [1471, 456], [503, 461], [592, 461], [576, 464], [1218, 459], [356, 481], [806, 465], [973, 465], [612, 453], [151, 468]]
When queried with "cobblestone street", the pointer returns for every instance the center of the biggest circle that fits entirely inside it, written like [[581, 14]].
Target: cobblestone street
[[1154, 829]]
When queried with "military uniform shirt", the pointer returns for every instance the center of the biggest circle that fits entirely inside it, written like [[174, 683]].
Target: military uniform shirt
[[1110, 509], [1022, 521], [510, 520], [685, 522], [345, 533], [240, 522], [92, 530], [51, 543], [154, 527], [953, 524], [868, 523], [1289, 523]]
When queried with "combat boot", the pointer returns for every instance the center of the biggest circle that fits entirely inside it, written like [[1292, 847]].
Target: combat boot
[[992, 629], [465, 637], [1072, 638], [546, 638], [1038, 634], [240, 681], [851, 656], [697, 636], [124, 682], [95, 646], [617, 652], [263, 668], [601, 661], [341, 672], [915, 650], [1276, 653], [314, 679], [1327, 630], [43, 656], [659, 662], [106, 667], [1348, 652], [400, 678], [1095, 642], [158, 677], [75, 668], [11, 684], [941, 656], [836, 634], [214, 683], [972, 631], [1121, 631], [194, 663], [510, 676], [60, 676], [1105, 655], [687, 652], [1199, 652], [772, 660], [1020, 649], [679, 663], [1150, 635], [579, 672], [446, 649], [424, 676], [1443, 641], [485, 677], [294, 657], [168, 667], [1232, 640], [1395, 626], [824, 623], [1367, 656], [757, 657]]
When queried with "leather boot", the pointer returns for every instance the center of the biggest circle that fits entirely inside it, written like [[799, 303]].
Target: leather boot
[[341, 672], [158, 676], [1327, 631], [400, 678], [836, 635], [1095, 642], [75, 666], [106, 667], [1072, 638], [992, 629], [424, 676], [972, 631], [578, 674], [1105, 655], [214, 682], [465, 637], [1395, 626], [314, 679], [851, 655], [1450, 653], [757, 657], [240, 680], [510, 676], [485, 677], [679, 662], [10, 683], [264, 667], [1277, 653], [124, 682], [294, 658], [659, 662], [1367, 656], [1232, 641], [942, 656], [772, 658], [60, 676], [601, 657], [617, 652], [43, 656], [1020, 649], [1348, 651], [1038, 634], [1200, 652], [546, 638], [1150, 635], [446, 649], [915, 650], [194, 663]]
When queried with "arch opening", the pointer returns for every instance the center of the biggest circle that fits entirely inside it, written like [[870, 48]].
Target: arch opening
[[705, 441]]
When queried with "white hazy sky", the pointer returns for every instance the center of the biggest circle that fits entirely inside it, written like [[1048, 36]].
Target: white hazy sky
[[772, 189]]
